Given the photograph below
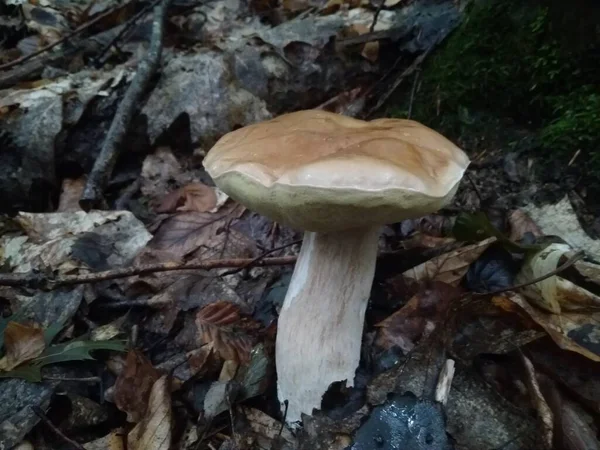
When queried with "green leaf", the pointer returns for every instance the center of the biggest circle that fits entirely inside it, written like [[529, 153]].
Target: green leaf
[[76, 351], [27, 372], [70, 351], [477, 227], [51, 332]]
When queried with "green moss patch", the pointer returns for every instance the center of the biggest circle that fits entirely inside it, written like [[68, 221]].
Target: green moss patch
[[535, 62]]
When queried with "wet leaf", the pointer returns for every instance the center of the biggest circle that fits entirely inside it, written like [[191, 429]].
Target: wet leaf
[[23, 343], [133, 385], [418, 318], [494, 270], [449, 267], [154, 431], [219, 326], [191, 197], [577, 332]]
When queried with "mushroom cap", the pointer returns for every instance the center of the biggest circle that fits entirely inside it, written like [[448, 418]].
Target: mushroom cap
[[319, 171]]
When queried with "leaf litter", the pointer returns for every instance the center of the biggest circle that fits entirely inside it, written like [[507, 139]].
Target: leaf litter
[[195, 350]]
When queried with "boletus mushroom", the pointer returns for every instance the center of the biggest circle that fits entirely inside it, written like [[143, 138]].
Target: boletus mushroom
[[338, 179]]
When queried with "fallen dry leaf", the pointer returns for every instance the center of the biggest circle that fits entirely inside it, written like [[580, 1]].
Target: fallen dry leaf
[[561, 220], [219, 326], [112, 441], [418, 318], [450, 267], [521, 223], [133, 385], [154, 431], [191, 197], [555, 293], [577, 332], [22, 343], [205, 234], [72, 189], [267, 429]]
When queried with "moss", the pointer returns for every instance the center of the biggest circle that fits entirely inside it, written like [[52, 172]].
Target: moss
[[524, 60]]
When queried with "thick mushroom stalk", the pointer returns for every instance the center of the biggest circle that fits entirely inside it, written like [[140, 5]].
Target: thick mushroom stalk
[[319, 333]]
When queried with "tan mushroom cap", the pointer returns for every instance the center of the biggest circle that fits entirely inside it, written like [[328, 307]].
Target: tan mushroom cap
[[319, 171]]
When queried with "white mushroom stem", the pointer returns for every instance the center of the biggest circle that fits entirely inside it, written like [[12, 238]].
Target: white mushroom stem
[[320, 326]]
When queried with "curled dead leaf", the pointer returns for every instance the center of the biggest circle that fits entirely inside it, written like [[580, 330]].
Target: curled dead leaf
[[191, 197], [574, 331], [220, 325], [450, 267]]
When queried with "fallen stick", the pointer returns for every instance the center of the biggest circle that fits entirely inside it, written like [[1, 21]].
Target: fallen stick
[[97, 181], [65, 38], [40, 281]]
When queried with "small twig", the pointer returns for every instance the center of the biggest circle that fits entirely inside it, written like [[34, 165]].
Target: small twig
[[80, 380], [398, 81], [572, 260], [412, 93], [259, 258], [39, 281], [44, 418], [127, 26], [75, 32], [93, 193], [376, 15], [475, 188]]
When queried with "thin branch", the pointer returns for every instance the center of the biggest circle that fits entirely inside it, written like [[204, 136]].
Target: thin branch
[[75, 32], [572, 260], [93, 193], [127, 26], [260, 257], [376, 15], [412, 93], [398, 81], [44, 418], [39, 281]]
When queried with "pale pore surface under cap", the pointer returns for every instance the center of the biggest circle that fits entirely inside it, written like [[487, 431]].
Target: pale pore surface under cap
[[321, 171]]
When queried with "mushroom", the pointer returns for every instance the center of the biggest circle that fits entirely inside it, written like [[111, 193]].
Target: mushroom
[[339, 180]]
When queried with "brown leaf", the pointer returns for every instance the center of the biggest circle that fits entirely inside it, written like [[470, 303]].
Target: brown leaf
[[577, 332], [112, 441], [520, 223], [545, 415], [133, 385], [70, 195], [220, 325], [449, 267], [22, 343], [188, 232], [191, 197], [154, 431], [418, 318]]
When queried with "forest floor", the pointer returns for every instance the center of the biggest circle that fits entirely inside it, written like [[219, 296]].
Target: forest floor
[[139, 303]]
